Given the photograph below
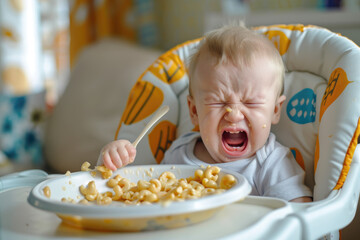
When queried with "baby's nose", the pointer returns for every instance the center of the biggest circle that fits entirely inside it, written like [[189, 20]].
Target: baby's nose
[[234, 113]]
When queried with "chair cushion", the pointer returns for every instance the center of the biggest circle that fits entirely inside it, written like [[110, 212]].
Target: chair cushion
[[334, 133]]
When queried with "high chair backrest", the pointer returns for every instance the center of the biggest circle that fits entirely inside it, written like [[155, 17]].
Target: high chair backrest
[[319, 119]]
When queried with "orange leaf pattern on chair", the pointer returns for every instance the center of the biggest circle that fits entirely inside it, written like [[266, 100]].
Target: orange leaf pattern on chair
[[297, 27], [336, 85], [161, 138], [169, 68], [298, 157], [144, 100], [280, 40], [317, 154]]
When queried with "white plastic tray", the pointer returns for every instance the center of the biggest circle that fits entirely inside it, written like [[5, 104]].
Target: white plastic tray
[[253, 218]]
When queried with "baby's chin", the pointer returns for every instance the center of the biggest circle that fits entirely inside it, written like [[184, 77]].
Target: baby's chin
[[232, 159]]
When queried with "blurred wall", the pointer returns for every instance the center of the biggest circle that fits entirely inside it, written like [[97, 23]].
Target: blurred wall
[[179, 21]]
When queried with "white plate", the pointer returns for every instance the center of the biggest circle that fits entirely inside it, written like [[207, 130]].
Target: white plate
[[117, 215]]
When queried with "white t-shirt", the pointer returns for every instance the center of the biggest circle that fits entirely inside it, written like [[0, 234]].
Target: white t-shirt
[[271, 172]]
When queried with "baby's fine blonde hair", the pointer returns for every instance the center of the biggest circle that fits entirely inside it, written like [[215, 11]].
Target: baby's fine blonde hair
[[238, 45]]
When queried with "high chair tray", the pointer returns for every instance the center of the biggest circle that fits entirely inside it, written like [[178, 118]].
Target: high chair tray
[[253, 218]]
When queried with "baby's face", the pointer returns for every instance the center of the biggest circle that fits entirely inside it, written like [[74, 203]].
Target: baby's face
[[234, 108]]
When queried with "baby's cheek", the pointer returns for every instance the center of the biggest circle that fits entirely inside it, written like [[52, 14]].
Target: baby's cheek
[[262, 133], [206, 137], [209, 126]]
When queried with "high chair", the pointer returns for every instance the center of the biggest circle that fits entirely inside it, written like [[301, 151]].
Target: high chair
[[319, 123]]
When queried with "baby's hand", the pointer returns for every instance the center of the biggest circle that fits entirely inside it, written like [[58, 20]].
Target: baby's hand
[[117, 154]]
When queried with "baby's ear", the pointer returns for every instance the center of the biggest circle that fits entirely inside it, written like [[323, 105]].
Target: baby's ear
[[277, 110], [192, 110]]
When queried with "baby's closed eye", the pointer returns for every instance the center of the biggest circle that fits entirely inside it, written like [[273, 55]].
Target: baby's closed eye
[[216, 104], [254, 104]]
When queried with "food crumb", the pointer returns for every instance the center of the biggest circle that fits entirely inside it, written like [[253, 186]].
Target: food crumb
[[85, 166], [47, 191], [148, 173]]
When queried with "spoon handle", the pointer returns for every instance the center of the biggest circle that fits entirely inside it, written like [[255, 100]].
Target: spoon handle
[[161, 112]]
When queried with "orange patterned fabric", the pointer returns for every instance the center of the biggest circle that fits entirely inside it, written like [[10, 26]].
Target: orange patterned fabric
[[337, 84], [348, 157]]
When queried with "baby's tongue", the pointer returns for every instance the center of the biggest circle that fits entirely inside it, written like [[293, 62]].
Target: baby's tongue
[[234, 139]]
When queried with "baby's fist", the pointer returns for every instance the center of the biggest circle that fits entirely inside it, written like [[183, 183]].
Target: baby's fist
[[117, 154]]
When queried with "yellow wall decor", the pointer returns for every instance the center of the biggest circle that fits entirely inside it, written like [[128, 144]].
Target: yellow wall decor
[[91, 21], [20, 44]]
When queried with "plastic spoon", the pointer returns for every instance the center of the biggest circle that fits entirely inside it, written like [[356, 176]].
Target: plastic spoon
[[161, 112]]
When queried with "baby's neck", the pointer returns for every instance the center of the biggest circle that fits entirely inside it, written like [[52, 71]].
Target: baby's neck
[[202, 153]]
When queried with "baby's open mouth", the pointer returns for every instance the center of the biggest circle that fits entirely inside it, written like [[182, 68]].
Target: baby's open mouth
[[235, 140]]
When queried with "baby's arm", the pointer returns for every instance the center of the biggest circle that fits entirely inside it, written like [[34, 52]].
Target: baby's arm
[[117, 154]]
